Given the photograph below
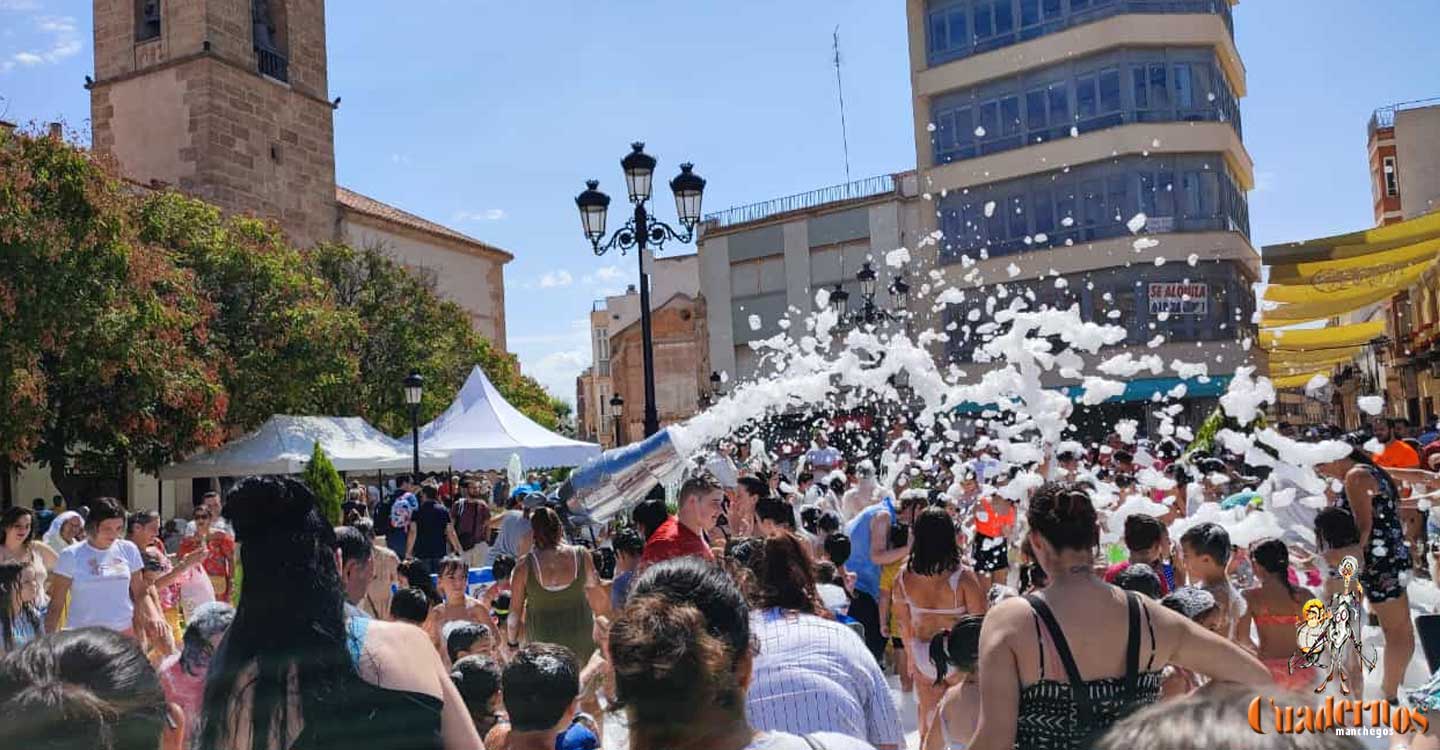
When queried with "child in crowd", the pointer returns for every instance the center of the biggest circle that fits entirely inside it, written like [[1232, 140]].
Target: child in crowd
[[1140, 578], [20, 620], [959, 710], [464, 639], [1199, 606], [1207, 555], [477, 678], [412, 606], [832, 592]]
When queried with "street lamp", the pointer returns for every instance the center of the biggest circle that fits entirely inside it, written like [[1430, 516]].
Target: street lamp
[[840, 299], [617, 408], [900, 293], [642, 231], [414, 389], [866, 276]]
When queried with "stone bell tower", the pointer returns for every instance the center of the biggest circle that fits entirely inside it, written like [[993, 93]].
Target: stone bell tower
[[224, 99]]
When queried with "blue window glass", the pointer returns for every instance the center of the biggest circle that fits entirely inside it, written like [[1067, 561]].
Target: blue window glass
[[1147, 194], [1110, 90], [1184, 88], [1190, 194], [1052, 9], [1091, 192], [984, 23], [1165, 194], [958, 23], [989, 121], [1085, 101], [1059, 96], [964, 127], [1035, 112], [1042, 212], [1016, 217], [1029, 12], [1004, 17], [1079, 5], [1116, 198], [1159, 91], [995, 224], [939, 33], [1141, 88], [1209, 194], [1010, 115]]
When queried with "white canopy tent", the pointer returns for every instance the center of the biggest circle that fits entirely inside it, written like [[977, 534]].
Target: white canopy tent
[[283, 445], [481, 430]]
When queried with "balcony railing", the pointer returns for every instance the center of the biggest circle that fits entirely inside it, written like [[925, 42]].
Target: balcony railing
[[1384, 117], [272, 64], [866, 188]]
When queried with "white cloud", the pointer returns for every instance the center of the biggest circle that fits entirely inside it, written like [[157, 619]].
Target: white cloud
[[557, 371], [1265, 181], [27, 58], [555, 279], [488, 214], [399, 159], [609, 273], [56, 24], [19, 5]]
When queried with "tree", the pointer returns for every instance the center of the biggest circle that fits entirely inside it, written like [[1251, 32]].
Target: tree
[[105, 354], [323, 480], [407, 326], [288, 348]]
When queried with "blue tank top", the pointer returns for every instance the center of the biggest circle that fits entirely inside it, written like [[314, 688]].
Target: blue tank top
[[867, 573]]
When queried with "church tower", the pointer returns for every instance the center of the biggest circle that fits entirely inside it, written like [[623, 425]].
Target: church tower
[[226, 100]]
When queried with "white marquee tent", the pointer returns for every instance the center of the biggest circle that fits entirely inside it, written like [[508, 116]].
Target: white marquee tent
[[481, 430], [284, 443]]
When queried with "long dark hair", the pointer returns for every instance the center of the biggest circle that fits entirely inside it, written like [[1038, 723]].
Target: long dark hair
[[10, 572], [934, 551], [1272, 556], [783, 576], [90, 688], [12, 516], [290, 625], [958, 647]]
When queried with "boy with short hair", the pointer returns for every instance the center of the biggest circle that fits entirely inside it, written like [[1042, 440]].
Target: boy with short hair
[[1207, 553], [463, 638], [539, 687], [1146, 538]]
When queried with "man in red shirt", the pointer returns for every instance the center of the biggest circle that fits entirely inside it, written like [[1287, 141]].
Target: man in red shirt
[[700, 504]]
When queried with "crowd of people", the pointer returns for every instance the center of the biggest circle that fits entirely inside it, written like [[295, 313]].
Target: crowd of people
[[1073, 600]]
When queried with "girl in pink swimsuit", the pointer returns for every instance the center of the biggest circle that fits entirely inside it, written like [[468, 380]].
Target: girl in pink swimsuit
[[1275, 608]]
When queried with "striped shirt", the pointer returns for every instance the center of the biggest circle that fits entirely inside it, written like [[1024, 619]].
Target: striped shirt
[[815, 675]]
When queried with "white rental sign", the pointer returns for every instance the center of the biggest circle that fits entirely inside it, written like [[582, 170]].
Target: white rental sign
[[1179, 298]]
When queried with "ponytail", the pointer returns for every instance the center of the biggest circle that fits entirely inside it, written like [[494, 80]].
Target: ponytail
[[939, 656], [958, 647]]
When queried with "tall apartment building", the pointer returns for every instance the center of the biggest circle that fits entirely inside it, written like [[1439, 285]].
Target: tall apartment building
[[1404, 147], [763, 263], [1044, 127]]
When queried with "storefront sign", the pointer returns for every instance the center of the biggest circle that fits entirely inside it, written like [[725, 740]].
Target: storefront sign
[[1179, 298]]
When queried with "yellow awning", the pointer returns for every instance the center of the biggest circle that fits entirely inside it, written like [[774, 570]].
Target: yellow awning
[[1314, 357], [1358, 272], [1329, 305], [1288, 382], [1364, 242], [1307, 339]]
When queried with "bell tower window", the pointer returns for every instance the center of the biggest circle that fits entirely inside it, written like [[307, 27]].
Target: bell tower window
[[268, 21], [147, 20]]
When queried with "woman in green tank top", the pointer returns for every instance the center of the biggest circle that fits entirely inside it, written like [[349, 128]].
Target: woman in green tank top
[[553, 591]]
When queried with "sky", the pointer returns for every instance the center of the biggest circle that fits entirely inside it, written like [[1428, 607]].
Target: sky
[[488, 116]]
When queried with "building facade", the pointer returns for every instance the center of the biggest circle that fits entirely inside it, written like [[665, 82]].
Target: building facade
[[1045, 128], [763, 263], [228, 100], [1404, 149], [682, 364]]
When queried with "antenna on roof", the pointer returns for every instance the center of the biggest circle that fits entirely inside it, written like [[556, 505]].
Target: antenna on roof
[[840, 89]]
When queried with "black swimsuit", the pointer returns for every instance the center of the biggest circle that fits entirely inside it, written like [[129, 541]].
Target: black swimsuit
[[1387, 554], [1050, 716]]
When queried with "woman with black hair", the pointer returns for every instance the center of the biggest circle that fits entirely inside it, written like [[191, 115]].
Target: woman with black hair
[[292, 672], [102, 576], [932, 591], [1372, 497], [812, 673], [1053, 674], [1274, 607], [20, 620], [555, 591], [683, 657], [959, 710], [87, 689], [20, 542]]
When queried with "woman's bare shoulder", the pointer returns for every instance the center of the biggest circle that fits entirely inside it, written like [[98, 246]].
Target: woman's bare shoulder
[[400, 656]]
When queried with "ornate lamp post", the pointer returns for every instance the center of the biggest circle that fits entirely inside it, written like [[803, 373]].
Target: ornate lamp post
[[617, 408], [414, 389], [642, 231]]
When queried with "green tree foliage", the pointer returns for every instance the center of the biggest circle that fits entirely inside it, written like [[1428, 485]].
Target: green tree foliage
[[407, 327], [137, 326], [105, 349], [323, 480]]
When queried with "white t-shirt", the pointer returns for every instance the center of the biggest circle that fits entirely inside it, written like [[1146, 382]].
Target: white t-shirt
[[100, 584]]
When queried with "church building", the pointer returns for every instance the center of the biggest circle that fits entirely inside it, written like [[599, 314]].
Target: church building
[[228, 100]]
